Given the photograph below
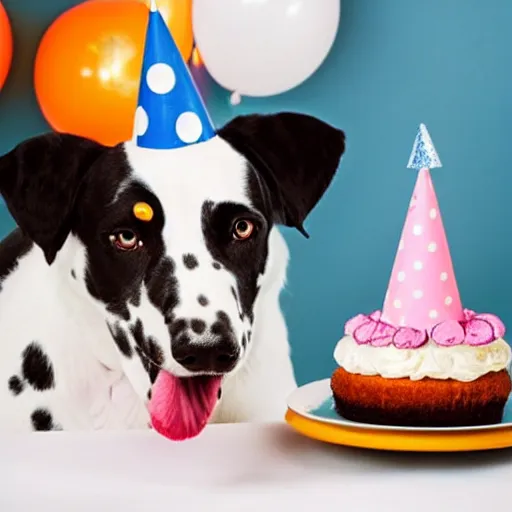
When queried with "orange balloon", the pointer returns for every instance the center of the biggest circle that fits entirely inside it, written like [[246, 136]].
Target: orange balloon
[[88, 65], [5, 45]]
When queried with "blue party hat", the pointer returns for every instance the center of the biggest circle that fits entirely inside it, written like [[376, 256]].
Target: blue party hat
[[170, 112], [424, 154]]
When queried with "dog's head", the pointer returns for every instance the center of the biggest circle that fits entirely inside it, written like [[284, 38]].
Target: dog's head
[[179, 284]]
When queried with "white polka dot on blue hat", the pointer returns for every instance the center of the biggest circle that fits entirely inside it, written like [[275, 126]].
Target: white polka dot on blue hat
[[170, 112]]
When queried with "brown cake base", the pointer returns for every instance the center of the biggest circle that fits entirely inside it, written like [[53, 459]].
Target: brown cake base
[[424, 403]]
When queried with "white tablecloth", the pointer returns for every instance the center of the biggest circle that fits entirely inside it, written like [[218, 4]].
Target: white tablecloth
[[240, 467]]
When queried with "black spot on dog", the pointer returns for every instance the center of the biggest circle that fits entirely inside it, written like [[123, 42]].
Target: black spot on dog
[[198, 326], [222, 326], [137, 331], [149, 394], [239, 309], [147, 349], [219, 394], [244, 341], [121, 340], [202, 300], [135, 298], [119, 309], [249, 334], [12, 248], [73, 273], [184, 339], [156, 357], [36, 368], [217, 328], [42, 420], [216, 265], [162, 286], [190, 261], [258, 288], [224, 318], [177, 327], [15, 385]]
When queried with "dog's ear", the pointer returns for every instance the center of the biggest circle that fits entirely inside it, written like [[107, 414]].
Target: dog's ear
[[295, 155], [39, 181]]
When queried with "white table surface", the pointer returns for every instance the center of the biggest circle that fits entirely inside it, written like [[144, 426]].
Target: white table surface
[[240, 467]]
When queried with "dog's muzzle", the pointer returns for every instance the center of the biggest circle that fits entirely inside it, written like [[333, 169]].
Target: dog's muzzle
[[210, 355]]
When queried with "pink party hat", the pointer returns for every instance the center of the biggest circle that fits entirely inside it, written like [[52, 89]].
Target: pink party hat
[[422, 290], [423, 300]]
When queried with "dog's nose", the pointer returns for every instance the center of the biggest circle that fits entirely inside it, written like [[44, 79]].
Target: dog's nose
[[218, 357]]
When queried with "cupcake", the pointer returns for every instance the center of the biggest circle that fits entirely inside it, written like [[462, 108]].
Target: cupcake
[[423, 360]]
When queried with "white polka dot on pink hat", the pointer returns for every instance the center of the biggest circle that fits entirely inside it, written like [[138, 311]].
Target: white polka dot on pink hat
[[422, 291]]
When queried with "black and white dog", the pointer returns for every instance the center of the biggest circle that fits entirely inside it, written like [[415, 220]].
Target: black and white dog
[[94, 301]]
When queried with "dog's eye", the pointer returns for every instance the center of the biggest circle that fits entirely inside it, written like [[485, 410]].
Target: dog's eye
[[125, 240], [243, 229]]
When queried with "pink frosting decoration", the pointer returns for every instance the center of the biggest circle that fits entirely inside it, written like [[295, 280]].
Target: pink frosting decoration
[[475, 329], [497, 325], [364, 333], [383, 335], [354, 323], [448, 334], [479, 332], [376, 315], [407, 337], [468, 314]]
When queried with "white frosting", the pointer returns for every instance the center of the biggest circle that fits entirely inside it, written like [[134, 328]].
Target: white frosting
[[462, 362]]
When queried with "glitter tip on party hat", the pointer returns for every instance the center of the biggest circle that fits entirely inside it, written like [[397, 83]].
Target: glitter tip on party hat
[[422, 289], [424, 154], [170, 112]]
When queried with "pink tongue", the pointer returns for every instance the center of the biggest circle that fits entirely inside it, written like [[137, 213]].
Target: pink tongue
[[181, 407]]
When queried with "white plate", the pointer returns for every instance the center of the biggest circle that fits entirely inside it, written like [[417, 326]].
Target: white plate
[[314, 401]]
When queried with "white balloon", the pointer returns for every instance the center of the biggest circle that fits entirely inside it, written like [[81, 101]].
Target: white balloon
[[264, 47]]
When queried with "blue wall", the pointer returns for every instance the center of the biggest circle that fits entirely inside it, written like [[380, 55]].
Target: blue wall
[[395, 63]]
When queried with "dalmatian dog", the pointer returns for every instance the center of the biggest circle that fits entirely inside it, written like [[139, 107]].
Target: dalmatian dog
[[95, 302]]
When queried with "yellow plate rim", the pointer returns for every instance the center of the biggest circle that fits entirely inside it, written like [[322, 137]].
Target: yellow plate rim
[[399, 440]]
